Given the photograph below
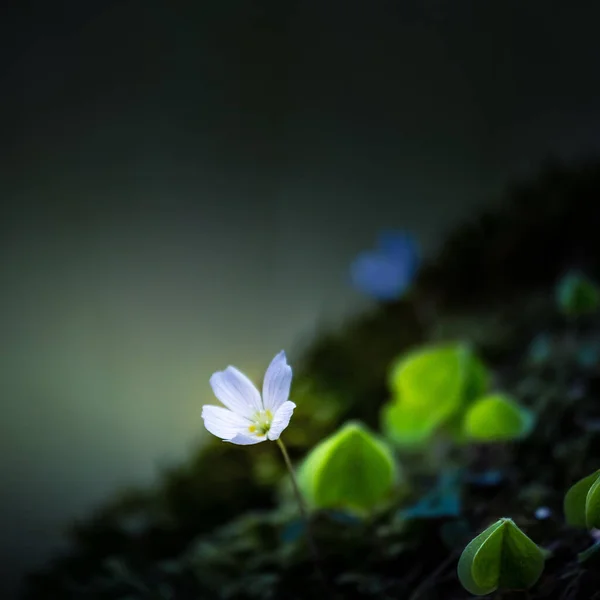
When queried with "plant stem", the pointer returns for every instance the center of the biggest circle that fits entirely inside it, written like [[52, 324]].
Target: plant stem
[[303, 512]]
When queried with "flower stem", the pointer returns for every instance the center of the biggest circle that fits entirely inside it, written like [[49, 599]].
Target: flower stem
[[303, 512]]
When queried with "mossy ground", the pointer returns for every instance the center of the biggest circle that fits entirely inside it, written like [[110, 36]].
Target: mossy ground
[[214, 527]]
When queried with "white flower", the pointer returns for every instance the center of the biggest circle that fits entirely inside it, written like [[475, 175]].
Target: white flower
[[248, 418]]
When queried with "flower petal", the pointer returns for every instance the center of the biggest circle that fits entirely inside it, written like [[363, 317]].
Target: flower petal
[[246, 440], [236, 391], [281, 420], [276, 385], [224, 423]]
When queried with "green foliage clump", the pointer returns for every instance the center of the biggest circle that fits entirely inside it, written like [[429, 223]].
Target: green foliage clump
[[429, 386], [444, 385]]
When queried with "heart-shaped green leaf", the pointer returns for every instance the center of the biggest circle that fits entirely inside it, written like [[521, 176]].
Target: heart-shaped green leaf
[[503, 557], [434, 376], [576, 502], [497, 417], [351, 470]]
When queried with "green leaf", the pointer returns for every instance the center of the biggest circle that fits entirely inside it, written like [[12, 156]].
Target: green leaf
[[502, 556], [592, 506], [405, 425], [429, 386], [477, 575], [522, 559], [432, 376], [577, 295], [497, 417], [351, 470], [575, 502], [477, 379]]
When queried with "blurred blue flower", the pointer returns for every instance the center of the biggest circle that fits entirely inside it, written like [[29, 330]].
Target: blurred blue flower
[[387, 272]]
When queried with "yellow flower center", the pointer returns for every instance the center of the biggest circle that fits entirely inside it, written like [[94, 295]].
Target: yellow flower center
[[261, 422]]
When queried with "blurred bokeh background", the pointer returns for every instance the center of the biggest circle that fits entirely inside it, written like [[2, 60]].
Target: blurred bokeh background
[[184, 184]]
